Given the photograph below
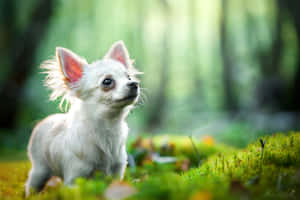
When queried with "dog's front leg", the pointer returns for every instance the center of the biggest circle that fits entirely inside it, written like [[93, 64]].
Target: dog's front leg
[[38, 177], [118, 169], [75, 170]]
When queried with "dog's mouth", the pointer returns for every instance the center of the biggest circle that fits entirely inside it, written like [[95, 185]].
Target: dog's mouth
[[128, 98]]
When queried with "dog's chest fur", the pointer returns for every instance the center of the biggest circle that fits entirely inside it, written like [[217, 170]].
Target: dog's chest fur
[[100, 144]]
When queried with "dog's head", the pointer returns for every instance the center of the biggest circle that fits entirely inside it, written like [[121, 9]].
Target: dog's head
[[110, 81]]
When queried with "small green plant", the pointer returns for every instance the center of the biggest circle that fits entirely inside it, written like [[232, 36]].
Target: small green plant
[[262, 142]]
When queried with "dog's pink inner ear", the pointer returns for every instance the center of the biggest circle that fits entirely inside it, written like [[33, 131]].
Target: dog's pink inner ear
[[119, 52], [70, 64], [119, 55]]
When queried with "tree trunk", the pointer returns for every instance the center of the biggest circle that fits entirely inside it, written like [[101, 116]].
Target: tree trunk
[[230, 100], [293, 7], [270, 89], [22, 55], [157, 111], [193, 58]]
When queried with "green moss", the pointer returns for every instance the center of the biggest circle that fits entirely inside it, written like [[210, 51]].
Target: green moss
[[273, 173], [12, 178]]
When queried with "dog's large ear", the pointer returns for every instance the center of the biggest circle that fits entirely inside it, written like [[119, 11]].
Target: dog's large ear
[[119, 53], [70, 63]]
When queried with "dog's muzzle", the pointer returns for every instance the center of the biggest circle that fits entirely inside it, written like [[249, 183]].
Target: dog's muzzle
[[133, 88], [132, 93]]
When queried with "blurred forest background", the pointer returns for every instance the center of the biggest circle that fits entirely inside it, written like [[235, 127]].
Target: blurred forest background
[[227, 68]]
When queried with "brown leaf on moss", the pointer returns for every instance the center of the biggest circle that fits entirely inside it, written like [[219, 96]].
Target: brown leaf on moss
[[237, 187], [147, 160], [183, 165]]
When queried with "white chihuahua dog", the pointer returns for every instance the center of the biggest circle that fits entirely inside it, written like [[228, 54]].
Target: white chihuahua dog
[[92, 134]]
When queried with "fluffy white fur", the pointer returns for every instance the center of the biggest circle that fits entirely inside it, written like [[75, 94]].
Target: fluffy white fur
[[92, 134]]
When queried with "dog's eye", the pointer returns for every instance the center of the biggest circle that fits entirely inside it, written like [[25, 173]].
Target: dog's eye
[[108, 82], [128, 76]]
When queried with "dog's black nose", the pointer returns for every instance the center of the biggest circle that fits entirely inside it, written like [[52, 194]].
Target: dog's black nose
[[133, 85]]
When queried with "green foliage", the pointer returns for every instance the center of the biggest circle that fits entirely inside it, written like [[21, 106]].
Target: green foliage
[[177, 146], [174, 186], [231, 175]]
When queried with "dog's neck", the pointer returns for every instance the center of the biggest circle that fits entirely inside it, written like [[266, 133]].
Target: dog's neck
[[97, 113]]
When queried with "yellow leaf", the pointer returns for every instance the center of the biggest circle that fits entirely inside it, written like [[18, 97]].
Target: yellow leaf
[[208, 140], [202, 195]]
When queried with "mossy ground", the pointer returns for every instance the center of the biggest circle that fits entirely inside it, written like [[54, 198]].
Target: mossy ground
[[224, 172]]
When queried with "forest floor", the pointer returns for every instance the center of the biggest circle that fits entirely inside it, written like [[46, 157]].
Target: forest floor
[[180, 167]]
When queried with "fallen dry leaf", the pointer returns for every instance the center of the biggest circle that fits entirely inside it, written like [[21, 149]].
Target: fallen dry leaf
[[54, 181], [119, 190]]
